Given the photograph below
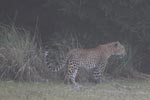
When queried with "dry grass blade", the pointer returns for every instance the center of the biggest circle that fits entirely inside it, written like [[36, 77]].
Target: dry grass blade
[[21, 58]]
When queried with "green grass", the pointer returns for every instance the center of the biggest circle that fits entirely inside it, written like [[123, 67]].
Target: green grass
[[114, 90]]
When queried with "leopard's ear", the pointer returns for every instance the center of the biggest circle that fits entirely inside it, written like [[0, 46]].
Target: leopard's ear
[[117, 42]]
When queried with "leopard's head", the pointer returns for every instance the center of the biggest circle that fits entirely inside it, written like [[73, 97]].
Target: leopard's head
[[118, 49]]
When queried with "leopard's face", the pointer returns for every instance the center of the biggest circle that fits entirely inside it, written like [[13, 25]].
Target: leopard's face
[[118, 49]]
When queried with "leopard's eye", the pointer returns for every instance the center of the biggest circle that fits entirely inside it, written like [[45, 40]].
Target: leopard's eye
[[116, 44]]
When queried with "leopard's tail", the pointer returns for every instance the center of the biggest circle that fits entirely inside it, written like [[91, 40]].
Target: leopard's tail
[[59, 67]]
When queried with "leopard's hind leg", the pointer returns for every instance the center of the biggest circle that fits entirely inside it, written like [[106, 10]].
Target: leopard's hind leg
[[72, 69]]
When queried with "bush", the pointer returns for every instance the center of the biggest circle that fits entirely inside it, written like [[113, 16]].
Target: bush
[[20, 57]]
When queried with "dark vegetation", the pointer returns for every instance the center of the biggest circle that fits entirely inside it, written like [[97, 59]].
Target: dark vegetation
[[29, 27]]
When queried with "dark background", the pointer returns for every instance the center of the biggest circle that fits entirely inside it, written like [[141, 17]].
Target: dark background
[[102, 20]]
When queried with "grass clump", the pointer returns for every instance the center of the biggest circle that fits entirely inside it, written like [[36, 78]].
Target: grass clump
[[20, 56]]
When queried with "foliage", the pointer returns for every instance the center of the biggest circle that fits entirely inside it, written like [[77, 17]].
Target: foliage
[[21, 58]]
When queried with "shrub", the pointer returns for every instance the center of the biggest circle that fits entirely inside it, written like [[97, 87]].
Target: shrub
[[20, 57]]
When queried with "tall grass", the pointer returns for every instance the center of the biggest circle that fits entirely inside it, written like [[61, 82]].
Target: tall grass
[[20, 57]]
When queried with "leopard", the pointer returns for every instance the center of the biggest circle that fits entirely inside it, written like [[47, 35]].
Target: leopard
[[94, 59]]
